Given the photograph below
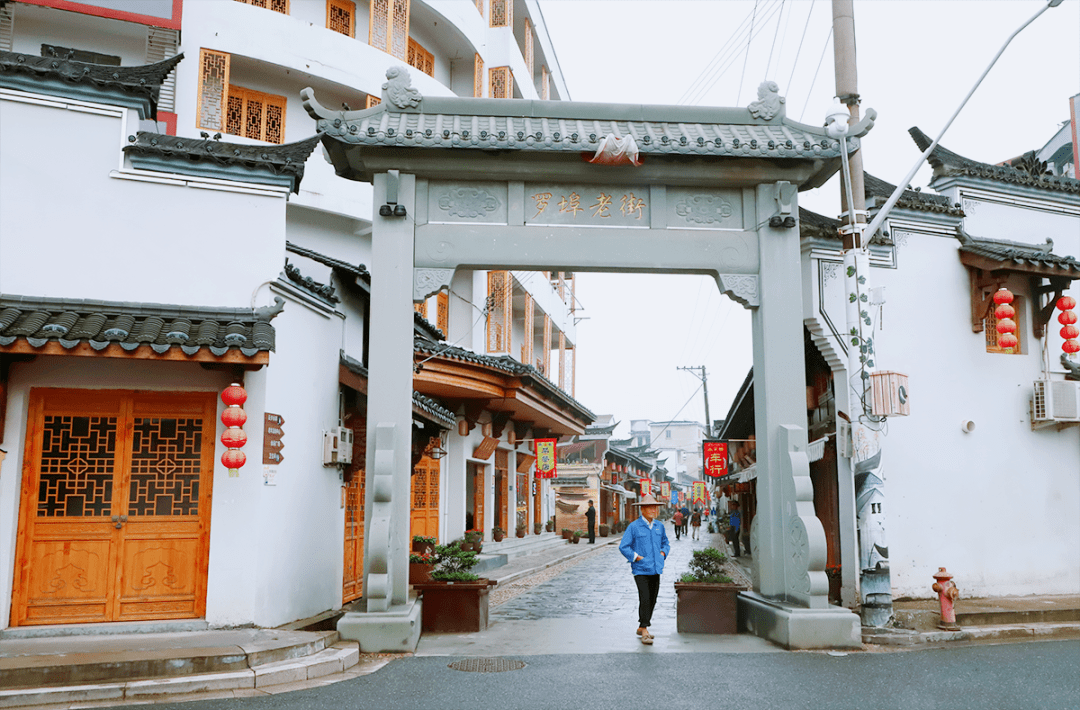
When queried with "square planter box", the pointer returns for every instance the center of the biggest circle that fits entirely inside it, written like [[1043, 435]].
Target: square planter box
[[455, 606], [707, 608], [419, 572]]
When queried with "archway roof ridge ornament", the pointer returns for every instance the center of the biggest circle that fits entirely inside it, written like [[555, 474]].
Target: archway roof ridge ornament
[[576, 127]]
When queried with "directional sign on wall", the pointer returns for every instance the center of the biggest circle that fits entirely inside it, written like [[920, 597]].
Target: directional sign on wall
[[273, 432]]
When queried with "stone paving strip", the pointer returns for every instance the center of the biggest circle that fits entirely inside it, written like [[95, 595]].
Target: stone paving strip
[[507, 591]]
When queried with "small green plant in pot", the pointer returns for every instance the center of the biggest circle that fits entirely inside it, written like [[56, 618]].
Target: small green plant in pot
[[707, 566], [577, 537], [707, 596], [497, 534], [423, 545], [537, 528], [567, 534], [452, 564], [520, 531]]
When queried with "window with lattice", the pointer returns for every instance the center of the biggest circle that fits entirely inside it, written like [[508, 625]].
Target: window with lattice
[[281, 6], [480, 7], [528, 48], [442, 317], [545, 83], [341, 17], [255, 115], [421, 308], [478, 77], [420, 58], [502, 83], [389, 26], [990, 330], [530, 330], [500, 311], [372, 101], [502, 13], [213, 89]]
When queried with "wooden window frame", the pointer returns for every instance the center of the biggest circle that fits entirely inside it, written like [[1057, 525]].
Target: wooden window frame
[[500, 297], [506, 16], [478, 77], [529, 48], [387, 45], [372, 101], [508, 79], [200, 117], [347, 7], [246, 95], [442, 313], [545, 83], [282, 6], [420, 55]]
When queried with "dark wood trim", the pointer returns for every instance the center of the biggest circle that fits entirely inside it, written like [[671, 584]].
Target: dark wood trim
[[21, 347]]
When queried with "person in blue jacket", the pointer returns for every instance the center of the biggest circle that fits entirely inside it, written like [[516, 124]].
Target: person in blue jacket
[[645, 545]]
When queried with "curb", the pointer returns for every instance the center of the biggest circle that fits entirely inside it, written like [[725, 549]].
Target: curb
[[269, 678], [1000, 632]]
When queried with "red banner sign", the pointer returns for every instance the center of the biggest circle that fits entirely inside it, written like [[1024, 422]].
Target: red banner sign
[[545, 458], [700, 493], [646, 486], [665, 491], [715, 455]]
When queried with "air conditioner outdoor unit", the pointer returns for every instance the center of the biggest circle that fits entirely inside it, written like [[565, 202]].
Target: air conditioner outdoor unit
[[337, 447], [1055, 401]]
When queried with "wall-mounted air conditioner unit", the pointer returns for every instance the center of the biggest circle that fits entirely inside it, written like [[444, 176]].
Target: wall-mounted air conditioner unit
[[1055, 401], [337, 447]]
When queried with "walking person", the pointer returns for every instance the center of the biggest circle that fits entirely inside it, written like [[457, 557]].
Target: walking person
[[677, 521], [590, 516], [645, 545], [695, 522], [685, 519], [735, 529]]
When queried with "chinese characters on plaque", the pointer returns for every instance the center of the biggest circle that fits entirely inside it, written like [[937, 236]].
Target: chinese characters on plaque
[[587, 206], [715, 454], [701, 493], [665, 490], [646, 487], [545, 458]]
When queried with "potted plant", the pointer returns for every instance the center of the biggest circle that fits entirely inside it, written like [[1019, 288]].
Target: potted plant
[[420, 565], [707, 596], [577, 537], [537, 527], [567, 534], [605, 530], [424, 545], [473, 541], [497, 534], [521, 530], [550, 525], [455, 600]]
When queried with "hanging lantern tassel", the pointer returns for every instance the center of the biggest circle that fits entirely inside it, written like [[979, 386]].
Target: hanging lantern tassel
[[1067, 318], [234, 437]]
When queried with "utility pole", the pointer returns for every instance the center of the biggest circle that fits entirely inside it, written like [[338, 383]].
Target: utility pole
[[875, 585], [705, 390]]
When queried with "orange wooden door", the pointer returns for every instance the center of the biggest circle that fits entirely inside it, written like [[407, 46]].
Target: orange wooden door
[[115, 509], [502, 491], [353, 490], [425, 498]]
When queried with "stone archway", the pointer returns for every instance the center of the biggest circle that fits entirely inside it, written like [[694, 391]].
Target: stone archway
[[531, 185]]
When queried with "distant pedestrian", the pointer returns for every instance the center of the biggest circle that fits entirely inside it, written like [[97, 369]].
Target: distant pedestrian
[[735, 529], [590, 515], [685, 519], [677, 520], [645, 545], [695, 522]]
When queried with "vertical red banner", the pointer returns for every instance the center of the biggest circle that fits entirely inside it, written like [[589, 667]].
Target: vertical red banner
[[545, 458], [700, 494], [715, 456], [646, 486], [665, 490]]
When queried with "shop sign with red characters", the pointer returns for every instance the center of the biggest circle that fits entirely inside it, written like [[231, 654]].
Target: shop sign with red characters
[[715, 454], [545, 458]]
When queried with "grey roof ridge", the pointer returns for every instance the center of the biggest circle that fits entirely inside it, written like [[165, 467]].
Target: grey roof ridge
[[968, 240], [353, 365], [431, 406], [325, 292], [427, 327], [128, 307], [358, 270]]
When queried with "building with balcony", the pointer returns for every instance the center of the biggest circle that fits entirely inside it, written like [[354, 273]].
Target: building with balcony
[[173, 226]]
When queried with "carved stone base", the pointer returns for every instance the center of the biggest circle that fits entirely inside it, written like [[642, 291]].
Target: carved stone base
[[798, 628], [393, 631]]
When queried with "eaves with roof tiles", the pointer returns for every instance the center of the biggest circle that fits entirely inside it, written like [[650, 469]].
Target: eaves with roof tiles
[[947, 164]]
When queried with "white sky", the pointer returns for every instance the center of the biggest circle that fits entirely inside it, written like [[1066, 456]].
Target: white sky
[[917, 59]]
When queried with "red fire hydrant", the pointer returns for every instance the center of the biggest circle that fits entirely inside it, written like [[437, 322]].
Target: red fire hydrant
[[947, 594]]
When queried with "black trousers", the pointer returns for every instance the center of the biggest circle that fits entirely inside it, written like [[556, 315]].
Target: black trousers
[[592, 533], [648, 587]]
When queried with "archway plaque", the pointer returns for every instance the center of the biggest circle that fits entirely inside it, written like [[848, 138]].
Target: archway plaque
[[559, 186]]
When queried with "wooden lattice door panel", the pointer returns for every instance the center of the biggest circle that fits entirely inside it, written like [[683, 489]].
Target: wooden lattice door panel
[[424, 517], [522, 490], [114, 520], [502, 489], [353, 490]]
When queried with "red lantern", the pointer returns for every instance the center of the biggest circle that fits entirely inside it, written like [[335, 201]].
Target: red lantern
[[1004, 311], [233, 459], [1003, 295], [1067, 317], [233, 417], [234, 395], [1008, 341], [1066, 303], [1006, 325], [1070, 346], [1069, 332], [234, 437]]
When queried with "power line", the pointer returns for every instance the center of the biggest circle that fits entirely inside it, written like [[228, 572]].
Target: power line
[[653, 439], [799, 50], [709, 67], [816, 72], [775, 35], [738, 97]]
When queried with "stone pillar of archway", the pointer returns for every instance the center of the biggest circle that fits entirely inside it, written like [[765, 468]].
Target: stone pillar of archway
[[789, 604], [391, 620]]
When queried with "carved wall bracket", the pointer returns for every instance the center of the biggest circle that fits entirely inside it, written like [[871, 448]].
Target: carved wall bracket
[[428, 282], [740, 287]]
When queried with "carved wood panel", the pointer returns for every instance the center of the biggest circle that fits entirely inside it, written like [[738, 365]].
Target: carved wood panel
[[114, 522]]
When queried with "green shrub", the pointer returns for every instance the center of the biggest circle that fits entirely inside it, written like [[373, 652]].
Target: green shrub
[[452, 564], [707, 566]]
